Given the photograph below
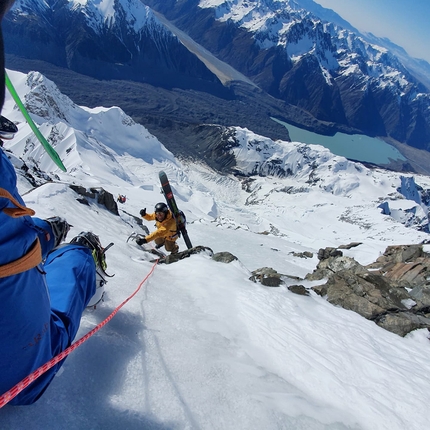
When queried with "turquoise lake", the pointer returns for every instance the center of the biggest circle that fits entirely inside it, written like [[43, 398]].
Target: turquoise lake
[[352, 146]]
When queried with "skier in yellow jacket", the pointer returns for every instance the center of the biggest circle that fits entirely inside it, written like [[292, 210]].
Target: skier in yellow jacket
[[166, 233]]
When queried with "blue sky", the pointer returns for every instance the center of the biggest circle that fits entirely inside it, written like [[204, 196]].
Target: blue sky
[[406, 23]]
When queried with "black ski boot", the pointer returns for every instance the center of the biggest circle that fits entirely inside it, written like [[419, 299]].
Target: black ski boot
[[60, 227]]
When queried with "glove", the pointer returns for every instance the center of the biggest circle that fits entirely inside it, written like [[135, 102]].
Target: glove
[[143, 212], [141, 240], [60, 227]]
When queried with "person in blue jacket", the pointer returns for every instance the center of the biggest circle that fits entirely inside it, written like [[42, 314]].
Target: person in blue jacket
[[44, 286]]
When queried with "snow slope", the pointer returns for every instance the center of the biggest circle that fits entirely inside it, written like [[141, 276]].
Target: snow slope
[[201, 346]]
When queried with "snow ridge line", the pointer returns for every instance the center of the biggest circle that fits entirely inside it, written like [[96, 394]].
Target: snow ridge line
[[14, 391]]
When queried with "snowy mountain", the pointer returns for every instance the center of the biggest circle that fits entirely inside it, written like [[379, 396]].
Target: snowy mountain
[[200, 345], [309, 57], [418, 67], [108, 40], [296, 51]]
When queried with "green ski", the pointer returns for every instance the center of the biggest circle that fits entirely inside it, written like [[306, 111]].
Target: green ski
[[48, 148]]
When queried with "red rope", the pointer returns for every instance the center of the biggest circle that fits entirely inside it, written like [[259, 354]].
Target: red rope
[[14, 391]]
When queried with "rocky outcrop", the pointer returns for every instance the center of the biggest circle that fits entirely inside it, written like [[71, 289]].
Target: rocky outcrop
[[100, 195], [394, 291], [267, 277], [224, 257], [173, 258]]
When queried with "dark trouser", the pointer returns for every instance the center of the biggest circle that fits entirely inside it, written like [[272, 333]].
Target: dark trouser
[[169, 245]]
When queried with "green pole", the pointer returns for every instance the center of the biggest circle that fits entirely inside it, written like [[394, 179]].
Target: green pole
[[48, 148]]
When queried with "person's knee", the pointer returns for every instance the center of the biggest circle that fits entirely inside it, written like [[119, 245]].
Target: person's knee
[[171, 246], [160, 241]]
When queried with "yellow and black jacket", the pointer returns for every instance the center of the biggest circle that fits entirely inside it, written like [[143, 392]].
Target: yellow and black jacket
[[165, 229]]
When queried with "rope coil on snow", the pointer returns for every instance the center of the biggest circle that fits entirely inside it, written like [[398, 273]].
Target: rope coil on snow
[[14, 391]]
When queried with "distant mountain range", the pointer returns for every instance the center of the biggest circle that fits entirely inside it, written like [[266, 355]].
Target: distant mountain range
[[124, 42], [298, 62], [290, 50]]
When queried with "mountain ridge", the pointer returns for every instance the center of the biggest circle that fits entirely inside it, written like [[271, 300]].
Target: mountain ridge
[[325, 69], [307, 100], [125, 41]]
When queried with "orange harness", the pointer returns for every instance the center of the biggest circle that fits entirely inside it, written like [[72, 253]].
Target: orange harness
[[33, 257]]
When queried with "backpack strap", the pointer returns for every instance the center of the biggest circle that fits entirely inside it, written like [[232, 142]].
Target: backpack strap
[[34, 255], [20, 209], [24, 263]]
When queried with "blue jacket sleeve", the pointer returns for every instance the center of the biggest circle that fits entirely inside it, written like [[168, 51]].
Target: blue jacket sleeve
[[45, 235]]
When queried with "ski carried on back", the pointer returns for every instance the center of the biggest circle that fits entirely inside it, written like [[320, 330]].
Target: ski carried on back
[[179, 215]]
